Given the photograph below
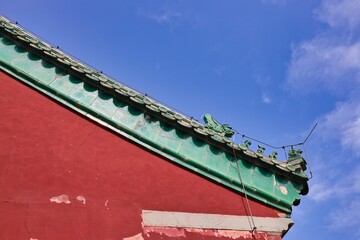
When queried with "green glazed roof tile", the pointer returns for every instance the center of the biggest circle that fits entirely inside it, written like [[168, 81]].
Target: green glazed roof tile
[[168, 137], [7, 50], [125, 115], [25, 64], [148, 127], [85, 94], [285, 189], [45, 72], [258, 176], [66, 84], [194, 148], [232, 171], [104, 104], [246, 171], [217, 160]]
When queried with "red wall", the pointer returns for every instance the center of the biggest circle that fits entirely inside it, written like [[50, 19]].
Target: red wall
[[47, 150]]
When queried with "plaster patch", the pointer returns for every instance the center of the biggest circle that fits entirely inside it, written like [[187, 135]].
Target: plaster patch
[[213, 221], [135, 237], [282, 215], [235, 234], [222, 233], [60, 199], [181, 232], [283, 190], [81, 199], [203, 232], [169, 232]]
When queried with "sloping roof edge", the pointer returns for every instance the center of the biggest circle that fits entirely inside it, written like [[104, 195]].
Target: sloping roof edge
[[287, 170]]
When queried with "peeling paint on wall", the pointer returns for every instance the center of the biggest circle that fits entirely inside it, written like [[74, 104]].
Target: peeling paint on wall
[[135, 237], [81, 199], [60, 199], [106, 204], [282, 215], [215, 233], [283, 190], [234, 234], [167, 231]]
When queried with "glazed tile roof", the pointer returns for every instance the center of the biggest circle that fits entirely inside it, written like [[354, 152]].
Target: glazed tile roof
[[199, 147]]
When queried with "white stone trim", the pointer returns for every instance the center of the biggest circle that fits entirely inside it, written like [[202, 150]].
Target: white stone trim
[[214, 221]]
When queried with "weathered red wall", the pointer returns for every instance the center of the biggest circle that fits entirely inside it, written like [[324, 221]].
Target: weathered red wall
[[47, 150]]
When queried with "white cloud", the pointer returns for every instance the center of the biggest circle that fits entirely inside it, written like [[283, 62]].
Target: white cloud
[[343, 123], [330, 62], [266, 99], [339, 187], [168, 17], [264, 83], [347, 218], [274, 2], [325, 62], [340, 13], [351, 134], [343, 193], [320, 192]]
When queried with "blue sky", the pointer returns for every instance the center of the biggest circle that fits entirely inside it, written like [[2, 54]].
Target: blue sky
[[269, 68]]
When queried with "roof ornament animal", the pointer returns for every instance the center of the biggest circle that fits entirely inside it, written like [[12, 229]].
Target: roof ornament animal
[[294, 154], [213, 124]]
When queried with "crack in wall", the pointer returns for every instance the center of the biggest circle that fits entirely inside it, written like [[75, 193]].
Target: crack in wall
[[7, 167], [85, 139], [26, 219]]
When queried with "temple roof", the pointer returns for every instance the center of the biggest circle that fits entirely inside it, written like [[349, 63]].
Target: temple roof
[[206, 149]]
